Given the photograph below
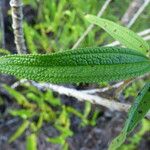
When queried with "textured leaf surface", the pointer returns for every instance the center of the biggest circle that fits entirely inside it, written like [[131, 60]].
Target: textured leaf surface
[[81, 65], [122, 34], [136, 113]]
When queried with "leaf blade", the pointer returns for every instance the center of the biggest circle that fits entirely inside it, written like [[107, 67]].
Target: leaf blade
[[122, 34], [137, 111], [81, 65], [19, 131]]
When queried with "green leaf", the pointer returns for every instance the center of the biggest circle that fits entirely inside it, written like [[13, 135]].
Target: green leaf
[[4, 51], [23, 113], [137, 111], [139, 108], [49, 97], [56, 140], [118, 141], [122, 34], [32, 142], [21, 99], [19, 131], [78, 114], [82, 65]]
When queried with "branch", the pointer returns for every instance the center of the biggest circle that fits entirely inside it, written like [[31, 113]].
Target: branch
[[2, 33], [117, 85], [93, 91], [81, 96], [146, 38], [132, 9], [100, 13], [145, 32], [137, 14], [17, 16]]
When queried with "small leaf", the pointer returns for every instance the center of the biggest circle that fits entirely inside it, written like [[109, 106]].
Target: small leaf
[[19, 131], [23, 113], [89, 65], [49, 97], [21, 99], [56, 140], [137, 111], [32, 142], [125, 36], [4, 51]]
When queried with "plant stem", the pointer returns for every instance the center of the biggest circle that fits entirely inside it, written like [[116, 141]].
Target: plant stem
[[2, 34], [17, 16]]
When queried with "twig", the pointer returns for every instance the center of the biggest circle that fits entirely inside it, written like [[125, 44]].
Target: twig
[[132, 21], [111, 104], [132, 81], [100, 13], [134, 6], [144, 32], [117, 85], [93, 91], [2, 25], [146, 38], [17, 16]]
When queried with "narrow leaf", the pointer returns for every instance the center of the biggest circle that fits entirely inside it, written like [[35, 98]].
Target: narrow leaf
[[118, 141], [137, 111], [21, 99], [19, 131], [4, 51], [139, 108], [81, 65], [125, 36], [32, 142], [22, 113]]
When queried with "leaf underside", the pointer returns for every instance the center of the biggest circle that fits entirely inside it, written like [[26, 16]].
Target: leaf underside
[[80, 65], [125, 36]]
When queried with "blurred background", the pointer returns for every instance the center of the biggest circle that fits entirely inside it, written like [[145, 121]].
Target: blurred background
[[32, 118]]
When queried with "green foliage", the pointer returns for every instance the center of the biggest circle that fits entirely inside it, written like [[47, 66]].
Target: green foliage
[[137, 111], [23, 113], [75, 66], [19, 131], [122, 34], [4, 52], [21, 100], [133, 89], [44, 108], [134, 141], [48, 33], [31, 142]]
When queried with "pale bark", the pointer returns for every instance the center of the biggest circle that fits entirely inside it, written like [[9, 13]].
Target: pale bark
[[17, 16]]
